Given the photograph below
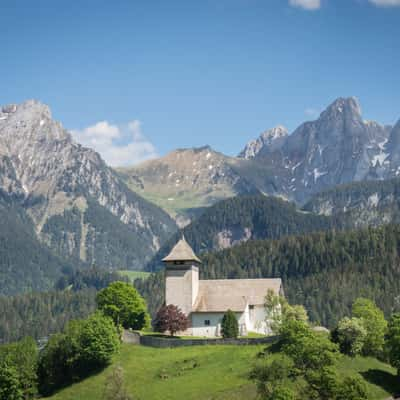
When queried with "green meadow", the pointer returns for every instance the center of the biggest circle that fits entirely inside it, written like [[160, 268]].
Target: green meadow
[[132, 275], [208, 373]]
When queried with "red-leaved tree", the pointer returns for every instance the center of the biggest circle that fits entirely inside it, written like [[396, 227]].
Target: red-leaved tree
[[170, 318]]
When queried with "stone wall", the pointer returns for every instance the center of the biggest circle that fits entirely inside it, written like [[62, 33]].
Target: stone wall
[[161, 342]]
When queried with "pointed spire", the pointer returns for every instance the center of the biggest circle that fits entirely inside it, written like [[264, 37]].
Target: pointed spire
[[182, 252]]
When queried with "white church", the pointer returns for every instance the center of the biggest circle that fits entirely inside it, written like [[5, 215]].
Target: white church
[[206, 301]]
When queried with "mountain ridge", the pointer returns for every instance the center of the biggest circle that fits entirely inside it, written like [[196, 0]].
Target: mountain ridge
[[338, 147], [57, 181]]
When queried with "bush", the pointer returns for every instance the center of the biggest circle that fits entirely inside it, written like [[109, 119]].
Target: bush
[[351, 335], [229, 325], [10, 386], [352, 388], [114, 388], [271, 376], [312, 352], [374, 323], [22, 356], [170, 319], [98, 342], [122, 302], [393, 341], [84, 347]]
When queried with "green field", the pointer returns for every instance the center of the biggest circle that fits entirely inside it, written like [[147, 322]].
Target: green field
[[132, 275], [207, 373]]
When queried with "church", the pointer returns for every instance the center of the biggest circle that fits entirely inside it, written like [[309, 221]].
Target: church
[[205, 302]]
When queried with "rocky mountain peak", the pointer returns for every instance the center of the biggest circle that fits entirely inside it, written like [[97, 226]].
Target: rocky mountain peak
[[58, 178], [275, 133], [270, 140], [343, 108]]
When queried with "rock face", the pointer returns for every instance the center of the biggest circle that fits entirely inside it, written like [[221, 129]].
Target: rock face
[[339, 147], [79, 206], [268, 142], [188, 179]]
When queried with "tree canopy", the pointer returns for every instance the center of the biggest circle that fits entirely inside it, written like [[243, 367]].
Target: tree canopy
[[170, 319], [122, 302]]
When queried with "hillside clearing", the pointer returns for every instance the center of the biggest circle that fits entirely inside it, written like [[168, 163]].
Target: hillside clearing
[[207, 372], [132, 275]]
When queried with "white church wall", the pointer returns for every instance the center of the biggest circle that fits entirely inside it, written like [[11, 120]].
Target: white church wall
[[199, 327]]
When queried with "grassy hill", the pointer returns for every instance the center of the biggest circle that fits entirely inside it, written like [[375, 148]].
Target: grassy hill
[[208, 372]]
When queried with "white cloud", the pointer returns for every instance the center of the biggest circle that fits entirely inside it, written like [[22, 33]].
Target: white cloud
[[306, 4], [119, 145], [385, 3]]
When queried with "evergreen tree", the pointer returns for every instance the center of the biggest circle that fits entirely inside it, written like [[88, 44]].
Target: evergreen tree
[[229, 325]]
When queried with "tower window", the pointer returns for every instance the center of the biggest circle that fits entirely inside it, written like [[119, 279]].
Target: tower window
[[251, 307], [207, 322]]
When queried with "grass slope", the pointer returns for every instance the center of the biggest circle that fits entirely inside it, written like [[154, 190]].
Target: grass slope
[[207, 372], [132, 275]]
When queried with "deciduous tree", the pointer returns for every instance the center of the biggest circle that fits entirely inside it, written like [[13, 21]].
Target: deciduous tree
[[374, 323], [170, 319], [122, 302], [351, 335], [393, 341], [10, 386]]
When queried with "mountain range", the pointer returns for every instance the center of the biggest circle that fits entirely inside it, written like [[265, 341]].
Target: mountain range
[[75, 204], [76, 208]]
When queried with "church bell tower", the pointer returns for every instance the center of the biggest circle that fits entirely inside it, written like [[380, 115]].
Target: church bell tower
[[181, 276]]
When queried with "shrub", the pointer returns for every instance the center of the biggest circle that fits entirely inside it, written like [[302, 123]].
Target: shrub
[[352, 388], [23, 356], [393, 341], [229, 325], [375, 324], [10, 386], [170, 319], [84, 347], [271, 376], [351, 336], [114, 388]]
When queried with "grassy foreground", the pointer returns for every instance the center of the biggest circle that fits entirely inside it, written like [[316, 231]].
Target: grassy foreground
[[207, 372]]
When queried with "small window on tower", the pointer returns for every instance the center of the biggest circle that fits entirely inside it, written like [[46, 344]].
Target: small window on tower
[[251, 307], [207, 322]]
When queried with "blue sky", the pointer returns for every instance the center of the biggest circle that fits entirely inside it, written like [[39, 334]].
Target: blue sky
[[139, 78]]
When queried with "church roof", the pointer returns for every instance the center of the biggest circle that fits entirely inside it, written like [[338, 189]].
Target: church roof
[[233, 294], [182, 252]]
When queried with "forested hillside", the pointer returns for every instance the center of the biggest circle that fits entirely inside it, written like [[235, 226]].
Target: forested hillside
[[323, 271], [25, 263], [362, 203], [43, 313], [239, 219]]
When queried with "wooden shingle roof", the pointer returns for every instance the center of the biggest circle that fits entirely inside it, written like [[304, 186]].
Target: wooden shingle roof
[[181, 252], [221, 295]]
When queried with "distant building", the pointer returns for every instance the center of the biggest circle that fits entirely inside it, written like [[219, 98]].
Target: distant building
[[206, 301]]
